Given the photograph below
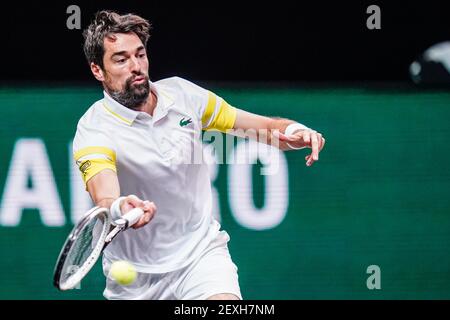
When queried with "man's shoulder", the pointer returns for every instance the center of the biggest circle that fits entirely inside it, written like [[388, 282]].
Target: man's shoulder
[[172, 81], [92, 118], [92, 128], [179, 85]]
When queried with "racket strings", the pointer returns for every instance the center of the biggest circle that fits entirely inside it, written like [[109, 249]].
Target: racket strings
[[83, 247]]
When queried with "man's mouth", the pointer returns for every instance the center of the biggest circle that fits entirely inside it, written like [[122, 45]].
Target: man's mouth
[[139, 79]]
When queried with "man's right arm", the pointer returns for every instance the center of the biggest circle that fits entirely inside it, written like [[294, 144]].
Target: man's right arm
[[95, 155], [104, 189]]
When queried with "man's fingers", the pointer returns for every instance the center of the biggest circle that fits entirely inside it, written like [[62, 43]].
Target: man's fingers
[[315, 146], [309, 160], [323, 143], [306, 137], [142, 221], [148, 207], [317, 143], [151, 211], [134, 201], [320, 140], [148, 215]]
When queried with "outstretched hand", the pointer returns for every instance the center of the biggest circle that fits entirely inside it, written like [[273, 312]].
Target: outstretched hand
[[305, 138]]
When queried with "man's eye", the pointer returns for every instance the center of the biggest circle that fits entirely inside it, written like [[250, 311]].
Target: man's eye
[[120, 61], [142, 55]]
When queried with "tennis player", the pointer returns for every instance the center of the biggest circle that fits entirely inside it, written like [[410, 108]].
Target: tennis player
[[127, 146]]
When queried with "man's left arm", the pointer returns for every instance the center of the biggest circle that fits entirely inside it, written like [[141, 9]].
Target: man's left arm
[[284, 133], [216, 114]]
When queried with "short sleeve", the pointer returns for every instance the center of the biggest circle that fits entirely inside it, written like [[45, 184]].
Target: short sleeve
[[213, 111], [93, 151]]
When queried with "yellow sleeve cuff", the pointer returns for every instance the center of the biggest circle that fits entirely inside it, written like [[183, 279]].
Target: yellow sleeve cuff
[[224, 118], [92, 160], [209, 110], [90, 168]]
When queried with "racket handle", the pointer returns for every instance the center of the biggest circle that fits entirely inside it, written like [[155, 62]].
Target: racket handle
[[133, 216]]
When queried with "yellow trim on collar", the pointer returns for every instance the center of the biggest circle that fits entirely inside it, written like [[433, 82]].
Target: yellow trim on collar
[[128, 122]]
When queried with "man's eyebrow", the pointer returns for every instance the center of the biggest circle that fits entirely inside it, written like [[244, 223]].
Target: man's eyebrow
[[124, 52], [119, 53]]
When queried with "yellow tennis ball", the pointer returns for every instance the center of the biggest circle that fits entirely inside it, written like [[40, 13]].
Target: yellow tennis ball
[[123, 272]]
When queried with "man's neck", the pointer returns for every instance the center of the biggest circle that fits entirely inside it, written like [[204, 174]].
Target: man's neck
[[150, 104]]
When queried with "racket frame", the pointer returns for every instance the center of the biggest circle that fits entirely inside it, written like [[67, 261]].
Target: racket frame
[[74, 279]]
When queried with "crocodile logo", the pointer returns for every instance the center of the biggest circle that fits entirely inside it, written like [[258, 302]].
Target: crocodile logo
[[184, 122]]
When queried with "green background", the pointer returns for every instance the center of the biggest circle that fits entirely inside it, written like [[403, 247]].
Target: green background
[[378, 196]]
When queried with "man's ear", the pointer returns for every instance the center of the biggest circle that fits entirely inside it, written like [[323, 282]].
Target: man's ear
[[97, 72]]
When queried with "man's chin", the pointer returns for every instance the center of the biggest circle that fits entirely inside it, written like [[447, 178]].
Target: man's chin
[[140, 87], [141, 92]]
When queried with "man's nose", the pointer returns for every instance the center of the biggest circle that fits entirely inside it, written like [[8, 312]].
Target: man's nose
[[134, 65]]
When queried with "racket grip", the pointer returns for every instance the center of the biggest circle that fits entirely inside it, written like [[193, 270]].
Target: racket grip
[[133, 216]]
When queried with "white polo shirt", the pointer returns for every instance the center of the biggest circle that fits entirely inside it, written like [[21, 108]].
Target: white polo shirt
[[152, 159]]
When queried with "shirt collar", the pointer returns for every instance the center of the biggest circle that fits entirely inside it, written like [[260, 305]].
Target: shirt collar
[[128, 115], [165, 100]]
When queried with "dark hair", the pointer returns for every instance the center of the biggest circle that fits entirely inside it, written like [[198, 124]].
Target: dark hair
[[105, 24]]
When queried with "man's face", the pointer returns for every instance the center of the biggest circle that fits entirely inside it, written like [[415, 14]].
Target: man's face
[[125, 70]]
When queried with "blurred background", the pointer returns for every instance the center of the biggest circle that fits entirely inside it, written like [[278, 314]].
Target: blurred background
[[375, 82]]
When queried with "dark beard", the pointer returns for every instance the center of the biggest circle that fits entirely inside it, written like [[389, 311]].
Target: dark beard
[[133, 96]]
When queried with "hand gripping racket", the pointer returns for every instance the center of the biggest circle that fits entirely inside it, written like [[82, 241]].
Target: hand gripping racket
[[86, 242]]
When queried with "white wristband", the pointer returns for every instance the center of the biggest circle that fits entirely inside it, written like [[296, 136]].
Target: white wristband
[[291, 129], [115, 211]]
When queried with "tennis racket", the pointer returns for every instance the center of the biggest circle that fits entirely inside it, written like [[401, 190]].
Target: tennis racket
[[86, 242]]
